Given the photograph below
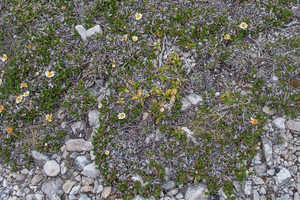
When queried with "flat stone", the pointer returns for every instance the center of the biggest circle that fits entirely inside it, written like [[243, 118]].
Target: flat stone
[[169, 185], [256, 195], [267, 110], [84, 197], [172, 192], [36, 179], [87, 33], [86, 181], [75, 190], [90, 171], [51, 168], [86, 188], [93, 117], [279, 123], [138, 197], [293, 125], [247, 187], [258, 181], [78, 126], [63, 168], [79, 145], [194, 99], [25, 171], [106, 192], [196, 192], [80, 162], [52, 187], [39, 195], [67, 186], [267, 150], [185, 104], [283, 177], [38, 156]]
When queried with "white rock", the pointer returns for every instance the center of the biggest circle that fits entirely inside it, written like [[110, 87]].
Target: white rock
[[75, 189], [38, 156], [283, 177], [194, 99], [256, 195], [106, 192], [267, 110], [196, 192], [67, 186], [99, 189], [51, 168], [93, 117], [79, 145], [78, 126], [267, 150], [90, 171], [36, 179], [247, 187], [87, 33], [279, 123], [293, 125], [25, 171], [63, 168], [258, 181], [86, 188]]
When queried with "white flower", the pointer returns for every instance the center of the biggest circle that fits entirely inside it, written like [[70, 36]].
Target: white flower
[[49, 74], [124, 38], [113, 65], [0, 81], [138, 16], [134, 38], [49, 118], [4, 58], [121, 115], [107, 153], [37, 73], [227, 37], [19, 99], [26, 94], [243, 25], [100, 105], [162, 110]]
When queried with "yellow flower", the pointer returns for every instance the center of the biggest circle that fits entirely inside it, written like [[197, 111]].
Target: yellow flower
[[49, 74], [1, 108], [23, 85], [19, 99], [49, 118], [124, 38], [121, 115], [100, 105], [227, 37], [26, 94], [161, 109], [9, 130], [107, 153], [253, 121], [134, 38], [4, 57], [138, 16], [243, 25]]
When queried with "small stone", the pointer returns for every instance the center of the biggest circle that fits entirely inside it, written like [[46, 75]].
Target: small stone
[[262, 190], [80, 162], [84, 197], [25, 171], [87, 33], [36, 179], [275, 78], [145, 116], [279, 123], [79, 145], [267, 150], [63, 168], [267, 110], [86, 181], [247, 187], [256, 195], [77, 127], [99, 189], [52, 187], [194, 99], [38, 156], [172, 192], [106, 192], [90, 171], [51, 168], [293, 125], [271, 172], [67, 186], [87, 188], [179, 196], [93, 117], [282, 177], [258, 181], [196, 192], [169, 185], [296, 196], [75, 189]]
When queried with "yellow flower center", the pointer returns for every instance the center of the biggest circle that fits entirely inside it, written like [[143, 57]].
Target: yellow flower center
[[24, 85], [227, 37], [19, 98], [138, 16], [122, 115], [48, 118], [26, 94], [134, 39], [124, 38], [243, 25], [9, 130], [5, 57], [49, 73], [63, 7], [1, 108]]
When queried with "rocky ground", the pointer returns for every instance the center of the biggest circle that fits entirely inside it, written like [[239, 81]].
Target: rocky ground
[[71, 172]]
